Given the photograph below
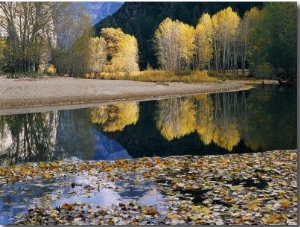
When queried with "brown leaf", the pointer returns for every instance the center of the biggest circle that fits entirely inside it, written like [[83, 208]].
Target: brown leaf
[[67, 206]]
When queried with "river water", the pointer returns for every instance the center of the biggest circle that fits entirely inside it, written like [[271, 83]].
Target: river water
[[256, 120]]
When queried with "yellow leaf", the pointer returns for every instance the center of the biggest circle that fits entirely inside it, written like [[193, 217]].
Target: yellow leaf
[[252, 206], [285, 203], [272, 219], [19, 215], [170, 215], [201, 209], [135, 222], [294, 198], [67, 206], [152, 211], [54, 214], [47, 175]]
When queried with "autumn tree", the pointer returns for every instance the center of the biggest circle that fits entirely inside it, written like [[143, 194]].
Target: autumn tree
[[97, 54], [204, 42], [225, 26], [186, 38], [126, 58], [122, 50], [111, 36], [174, 43]]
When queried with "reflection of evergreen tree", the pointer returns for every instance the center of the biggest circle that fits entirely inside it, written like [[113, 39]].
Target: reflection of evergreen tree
[[271, 120]]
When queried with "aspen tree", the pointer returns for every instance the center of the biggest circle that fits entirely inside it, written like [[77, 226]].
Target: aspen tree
[[122, 50], [174, 43], [203, 42], [97, 54], [225, 25]]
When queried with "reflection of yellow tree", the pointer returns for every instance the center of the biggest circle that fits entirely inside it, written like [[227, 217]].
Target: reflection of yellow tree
[[216, 121], [175, 117], [115, 117], [226, 133], [204, 118]]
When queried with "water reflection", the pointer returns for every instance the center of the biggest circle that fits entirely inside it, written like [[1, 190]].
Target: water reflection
[[115, 117], [214, 118], [28, 137], [17, 198], [255, 120]]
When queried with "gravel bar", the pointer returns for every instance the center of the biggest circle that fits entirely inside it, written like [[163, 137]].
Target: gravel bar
[[55, 93]]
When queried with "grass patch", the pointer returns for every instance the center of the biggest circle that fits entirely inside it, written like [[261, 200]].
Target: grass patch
[[158, 76]]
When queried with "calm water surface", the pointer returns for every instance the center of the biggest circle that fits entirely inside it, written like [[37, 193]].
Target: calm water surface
[[256, 120]]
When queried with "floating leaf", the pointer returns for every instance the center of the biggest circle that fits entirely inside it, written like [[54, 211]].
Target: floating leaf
[[201, 209], [252, 206], [285, 203], [19, 215], [135, 221], [67, 206], [54, 214], [47, 175], [272, 219]]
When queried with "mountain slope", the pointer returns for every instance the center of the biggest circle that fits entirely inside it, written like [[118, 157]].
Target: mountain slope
[[141, 19], [100, 10]]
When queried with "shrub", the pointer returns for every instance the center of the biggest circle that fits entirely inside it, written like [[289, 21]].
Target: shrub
[[51, 70]]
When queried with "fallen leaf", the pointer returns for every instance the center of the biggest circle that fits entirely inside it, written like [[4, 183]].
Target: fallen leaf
[[54, 214], [19, 215], [285, 203]]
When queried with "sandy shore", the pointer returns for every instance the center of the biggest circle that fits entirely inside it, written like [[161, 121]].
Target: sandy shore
[[45, 94]]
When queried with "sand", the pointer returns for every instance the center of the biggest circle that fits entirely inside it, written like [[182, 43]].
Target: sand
[[27, 95]]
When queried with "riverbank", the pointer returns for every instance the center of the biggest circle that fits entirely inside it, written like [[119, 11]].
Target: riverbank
[[26, 95], [234, 189]]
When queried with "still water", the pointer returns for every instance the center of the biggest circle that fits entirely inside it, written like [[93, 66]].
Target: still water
[[256, 120]]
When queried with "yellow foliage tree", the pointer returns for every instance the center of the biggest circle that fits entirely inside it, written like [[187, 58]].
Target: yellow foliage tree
[[97, 54], [122, 50], [225, 26], [165, 39], [174, 43], [203, 42], [111, 36], [126, 57]]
